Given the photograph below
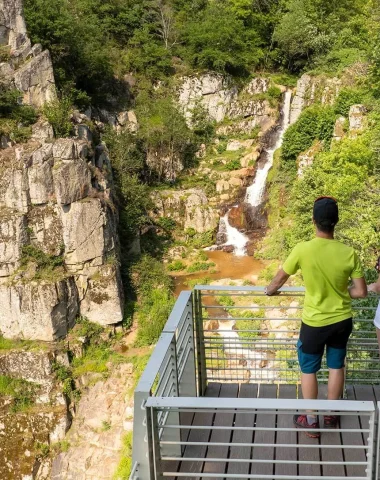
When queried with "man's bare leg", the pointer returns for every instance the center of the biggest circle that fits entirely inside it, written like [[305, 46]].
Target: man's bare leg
[[336, 383], [309, 392], [309, 386]]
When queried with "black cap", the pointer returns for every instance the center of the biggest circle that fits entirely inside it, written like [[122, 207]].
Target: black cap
[[325, 212]]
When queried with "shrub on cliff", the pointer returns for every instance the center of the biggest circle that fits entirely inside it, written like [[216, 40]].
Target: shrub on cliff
[[316, 122]]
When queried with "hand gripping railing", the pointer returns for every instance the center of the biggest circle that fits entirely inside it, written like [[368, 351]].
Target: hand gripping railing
[[246, 336], [170, 373], [256, 439]]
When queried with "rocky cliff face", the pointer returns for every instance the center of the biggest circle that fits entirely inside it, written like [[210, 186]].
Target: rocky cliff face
[[222, 100], [58, 239], [29, 68]]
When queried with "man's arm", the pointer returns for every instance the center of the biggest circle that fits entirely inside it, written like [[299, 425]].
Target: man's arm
[[277, 282], [358, 289], [375, 287]]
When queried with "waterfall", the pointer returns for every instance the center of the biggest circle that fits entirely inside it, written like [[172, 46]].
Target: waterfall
[[235, 238], [255, 193]]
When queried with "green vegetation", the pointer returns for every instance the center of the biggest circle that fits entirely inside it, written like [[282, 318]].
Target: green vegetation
[[15, 118], [58, 113], [315, 123], [47, 267], [124, 468], [176, 266], [200, 267], [21, 392], [243, 327]]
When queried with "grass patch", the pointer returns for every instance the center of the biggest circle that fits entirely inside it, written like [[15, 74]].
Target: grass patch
[[21, 392], [124, 468], [176, 266], [200, 267], [243, 327]]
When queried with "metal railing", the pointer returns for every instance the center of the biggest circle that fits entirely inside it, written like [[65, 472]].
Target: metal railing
[[252, 338], [238, 334], [170, 372], [258, 435]]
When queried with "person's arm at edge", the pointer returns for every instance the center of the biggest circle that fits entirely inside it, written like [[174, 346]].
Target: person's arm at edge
[[375, 287], [277, 282], [358, 289]]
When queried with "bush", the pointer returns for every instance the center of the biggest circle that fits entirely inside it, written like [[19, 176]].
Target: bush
[[233, 165], [124, 468], [176, 266], [243, 325], [199, 267], [58, 113], [167, 223], [346, 98], [21, 392], [48, 267], [314, 123]]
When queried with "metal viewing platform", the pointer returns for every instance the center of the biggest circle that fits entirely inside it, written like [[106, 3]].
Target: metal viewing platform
[[218, 395]]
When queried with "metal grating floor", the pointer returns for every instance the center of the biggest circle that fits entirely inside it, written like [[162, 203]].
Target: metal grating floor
[[329, 442]]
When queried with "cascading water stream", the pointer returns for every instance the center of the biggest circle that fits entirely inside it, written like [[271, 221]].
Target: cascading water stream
[[255, 192]]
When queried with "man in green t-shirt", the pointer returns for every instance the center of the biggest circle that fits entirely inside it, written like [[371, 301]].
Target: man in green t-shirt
[[327, 267]]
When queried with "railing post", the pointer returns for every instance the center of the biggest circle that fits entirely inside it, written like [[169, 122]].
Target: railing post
[[201, 357], [171, 417], [152, 420], [142, 438], [188, 382]]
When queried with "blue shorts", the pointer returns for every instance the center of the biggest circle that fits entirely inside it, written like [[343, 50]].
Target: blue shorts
[[313, 340]]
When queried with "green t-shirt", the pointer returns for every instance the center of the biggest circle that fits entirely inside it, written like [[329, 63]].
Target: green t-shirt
[[326, 266]]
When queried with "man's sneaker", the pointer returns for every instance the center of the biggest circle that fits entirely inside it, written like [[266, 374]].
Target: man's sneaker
[[330, 421], [300, 421]]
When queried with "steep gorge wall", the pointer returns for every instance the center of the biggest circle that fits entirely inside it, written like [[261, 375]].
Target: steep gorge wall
[[56, 201]]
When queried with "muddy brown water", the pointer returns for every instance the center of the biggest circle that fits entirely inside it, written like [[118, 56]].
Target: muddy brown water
[[227, 266]]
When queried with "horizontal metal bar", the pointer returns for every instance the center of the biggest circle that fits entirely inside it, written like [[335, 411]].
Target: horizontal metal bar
[[178, 310], [244, 288], [263, 429], [272, 462], [251, 476], [268, 404], [265, 445]]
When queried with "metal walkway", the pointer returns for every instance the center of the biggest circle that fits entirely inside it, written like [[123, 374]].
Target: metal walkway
[[219, 393]]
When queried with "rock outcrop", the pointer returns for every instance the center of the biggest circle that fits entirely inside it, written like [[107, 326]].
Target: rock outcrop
[[357, 119], [189, 208], [221, 99], [55, 198], [313, 89], [21, 432], [29, 69], [58, 227], [103, 415]]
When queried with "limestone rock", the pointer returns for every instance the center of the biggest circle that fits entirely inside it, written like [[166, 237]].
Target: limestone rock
[[36, 80], [40, 178], [72, 181], [85, 232], [339, 129], [356, 117], [127, 120], [234, 145], [103, 297], [257, 85], [12, 24], [189, 208], [42, 131], [14, 188], [95, 451], [13, 236], [38, 311], [306, 159], [46, 229], [312, 89], [65, 149]]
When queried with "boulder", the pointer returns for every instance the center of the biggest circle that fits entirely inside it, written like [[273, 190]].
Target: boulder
[[65, 149], [13, 236], [102, 293], [72, 181], [35, 79], [234, 145], [356, 117], [42, 131], [38, 311], [189, 208], [86, 233], [339, 129]]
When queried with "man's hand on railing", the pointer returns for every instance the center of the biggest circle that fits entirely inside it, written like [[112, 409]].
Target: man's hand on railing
[[276, 283]]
